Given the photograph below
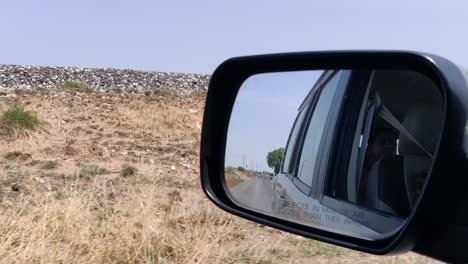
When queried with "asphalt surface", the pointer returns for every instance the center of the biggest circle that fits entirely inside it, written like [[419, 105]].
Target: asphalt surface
[[256, 193]]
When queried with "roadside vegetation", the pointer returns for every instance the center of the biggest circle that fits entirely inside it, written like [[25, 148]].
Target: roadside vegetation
[[17, 120], [75, 86], [49, 165], [274, 159], [128, 170], [237, 175], [91, 171]]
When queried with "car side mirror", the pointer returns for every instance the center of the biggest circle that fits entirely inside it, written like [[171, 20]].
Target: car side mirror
[[343, 147]]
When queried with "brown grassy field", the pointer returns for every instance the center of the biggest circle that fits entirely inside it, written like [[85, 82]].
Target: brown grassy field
[[113, 178]]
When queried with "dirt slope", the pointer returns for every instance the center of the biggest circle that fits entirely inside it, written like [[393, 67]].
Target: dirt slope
[[113, 178]]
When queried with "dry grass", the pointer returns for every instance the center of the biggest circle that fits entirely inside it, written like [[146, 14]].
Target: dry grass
[[234, 176], [158, 215]]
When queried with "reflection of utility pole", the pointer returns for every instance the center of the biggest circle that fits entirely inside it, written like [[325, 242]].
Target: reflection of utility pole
[[251, 165], [243, 161]]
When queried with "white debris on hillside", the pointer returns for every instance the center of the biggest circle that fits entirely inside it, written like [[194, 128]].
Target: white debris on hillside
[[30, 77]]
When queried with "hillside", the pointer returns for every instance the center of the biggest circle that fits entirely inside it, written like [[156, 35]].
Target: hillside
[[113, 178]]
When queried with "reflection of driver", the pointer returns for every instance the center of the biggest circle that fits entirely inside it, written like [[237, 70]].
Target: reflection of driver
[[381, 144]]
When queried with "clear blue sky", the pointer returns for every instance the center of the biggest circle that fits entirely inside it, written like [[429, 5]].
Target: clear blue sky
[[195, 36], [263, 116]]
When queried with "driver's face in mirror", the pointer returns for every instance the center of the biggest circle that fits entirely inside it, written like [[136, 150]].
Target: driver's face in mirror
[[382, 144]]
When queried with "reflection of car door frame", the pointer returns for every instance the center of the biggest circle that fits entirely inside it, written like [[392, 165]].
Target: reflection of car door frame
[[300, 125], [309, 105], [320, 171], [305, 106], [357, 83], [342, 84]]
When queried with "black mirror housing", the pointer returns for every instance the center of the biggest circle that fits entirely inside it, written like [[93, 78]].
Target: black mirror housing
[[440, 213]]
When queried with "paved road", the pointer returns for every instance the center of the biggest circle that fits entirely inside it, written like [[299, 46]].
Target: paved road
[[256, 193]]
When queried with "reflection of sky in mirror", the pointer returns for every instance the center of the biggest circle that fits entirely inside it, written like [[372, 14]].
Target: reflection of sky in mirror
[[263, 115]]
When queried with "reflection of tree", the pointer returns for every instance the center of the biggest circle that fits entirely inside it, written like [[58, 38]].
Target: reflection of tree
[[274, 159]]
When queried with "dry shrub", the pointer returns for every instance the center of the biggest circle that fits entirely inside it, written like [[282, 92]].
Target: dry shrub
[[128, 170], [49, 165], [17, 155], [90, 171], [76, 86], [17, 121]]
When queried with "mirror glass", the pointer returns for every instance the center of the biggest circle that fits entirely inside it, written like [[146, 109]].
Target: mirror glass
[[346, 151]]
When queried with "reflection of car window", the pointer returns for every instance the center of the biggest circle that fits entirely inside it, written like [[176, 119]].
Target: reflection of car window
[[292, 141], [392, 150], [315, 130]]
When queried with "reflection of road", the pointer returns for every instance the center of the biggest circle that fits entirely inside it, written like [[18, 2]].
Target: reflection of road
[[256, 193]]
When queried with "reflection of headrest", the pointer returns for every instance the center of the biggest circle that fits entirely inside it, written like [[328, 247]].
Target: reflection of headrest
[[424, 124]]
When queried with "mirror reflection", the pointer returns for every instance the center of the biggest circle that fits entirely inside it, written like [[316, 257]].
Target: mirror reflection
[[346, 151]]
